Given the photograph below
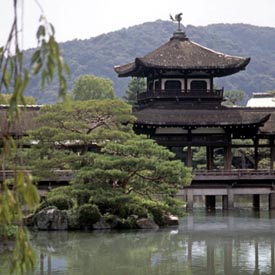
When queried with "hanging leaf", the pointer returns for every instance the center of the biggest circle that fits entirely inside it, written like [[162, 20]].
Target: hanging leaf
[[40, 32]]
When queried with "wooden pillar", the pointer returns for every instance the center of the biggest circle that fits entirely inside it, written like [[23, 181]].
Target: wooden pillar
[[271, 201], [271, 143], [225, 202], [256, 201], [41, 263], [272, 258], [190, 222], [189, 148], [256, 258], [227, 157], [210, 157], [190, 197], [228, 258], [49, 264], [185, 85], [210, 202], [256, 153], [189, 156], [210, 259], [189, 251], [211, 84], [230, 198]]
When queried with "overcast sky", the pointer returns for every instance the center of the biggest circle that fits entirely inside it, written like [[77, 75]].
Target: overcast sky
[[88, 18]]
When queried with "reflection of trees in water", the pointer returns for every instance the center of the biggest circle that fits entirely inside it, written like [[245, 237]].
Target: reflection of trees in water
[[122, 253], [160, 252], [4, 261]]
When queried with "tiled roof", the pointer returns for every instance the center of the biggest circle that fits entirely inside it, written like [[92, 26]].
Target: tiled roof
[[26, 121], [183, 54], [265, 118], [176, 116]]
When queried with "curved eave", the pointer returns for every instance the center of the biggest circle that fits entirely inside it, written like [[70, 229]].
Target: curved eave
[[162, 121], [141, 68]]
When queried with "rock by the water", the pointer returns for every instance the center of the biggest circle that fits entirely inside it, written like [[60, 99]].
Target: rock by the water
[[51, 219], [170, 220], [101, 225], [146, 223]]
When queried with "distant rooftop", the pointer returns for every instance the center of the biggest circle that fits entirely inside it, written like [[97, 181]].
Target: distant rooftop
[[261, 100]]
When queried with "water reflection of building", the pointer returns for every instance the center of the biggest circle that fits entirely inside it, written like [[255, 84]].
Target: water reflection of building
[[201, 245], [228, 245], [182, 110]]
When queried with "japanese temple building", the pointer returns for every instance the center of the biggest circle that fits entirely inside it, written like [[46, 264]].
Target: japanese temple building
[[182, 108]]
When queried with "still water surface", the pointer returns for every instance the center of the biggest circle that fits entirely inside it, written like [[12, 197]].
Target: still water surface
[[239, 242]]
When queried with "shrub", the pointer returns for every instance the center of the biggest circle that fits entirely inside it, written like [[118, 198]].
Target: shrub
[[88, 215], [73, 219], [112, 220], [8, 232], [112, 202], [158, 214], [175, 206], [104, 200], [129, 223], [157, 210], [62, 190], [82, 196], [59, 201], [139, 210]]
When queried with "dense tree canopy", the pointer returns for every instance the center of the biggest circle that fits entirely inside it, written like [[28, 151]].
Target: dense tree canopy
[[88, 87], [95, 140], [135, 86], [234, 97], [98, 55]]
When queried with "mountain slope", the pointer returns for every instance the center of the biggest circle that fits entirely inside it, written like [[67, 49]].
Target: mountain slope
[[100, 54]]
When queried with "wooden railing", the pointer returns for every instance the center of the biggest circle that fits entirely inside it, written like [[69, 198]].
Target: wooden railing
[[198, 175], [180, 94], [234, 174]]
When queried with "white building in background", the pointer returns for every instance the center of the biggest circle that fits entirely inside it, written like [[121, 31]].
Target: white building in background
[[262, 100]]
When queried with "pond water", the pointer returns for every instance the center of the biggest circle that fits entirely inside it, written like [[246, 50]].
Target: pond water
[[238, 242]]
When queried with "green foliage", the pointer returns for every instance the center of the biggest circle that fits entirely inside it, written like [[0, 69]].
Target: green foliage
[[234, 97], [105, 200], [121, 205], [128, 223], [7, 232], [136, 165], [121, 176], [47, 59], [20, 191], [61, 202], [82, 196], [6, 98], [73, 219], [75, 127], [23, 253], [88, 87], [199, 157], [61, 191], [157, 210], [112, 220], [88, 215], [135, 87]]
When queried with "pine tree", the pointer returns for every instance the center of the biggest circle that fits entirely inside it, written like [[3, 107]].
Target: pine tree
[[135, 86]]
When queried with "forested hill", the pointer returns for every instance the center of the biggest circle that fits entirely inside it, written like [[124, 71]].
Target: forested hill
[[100, 54]]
